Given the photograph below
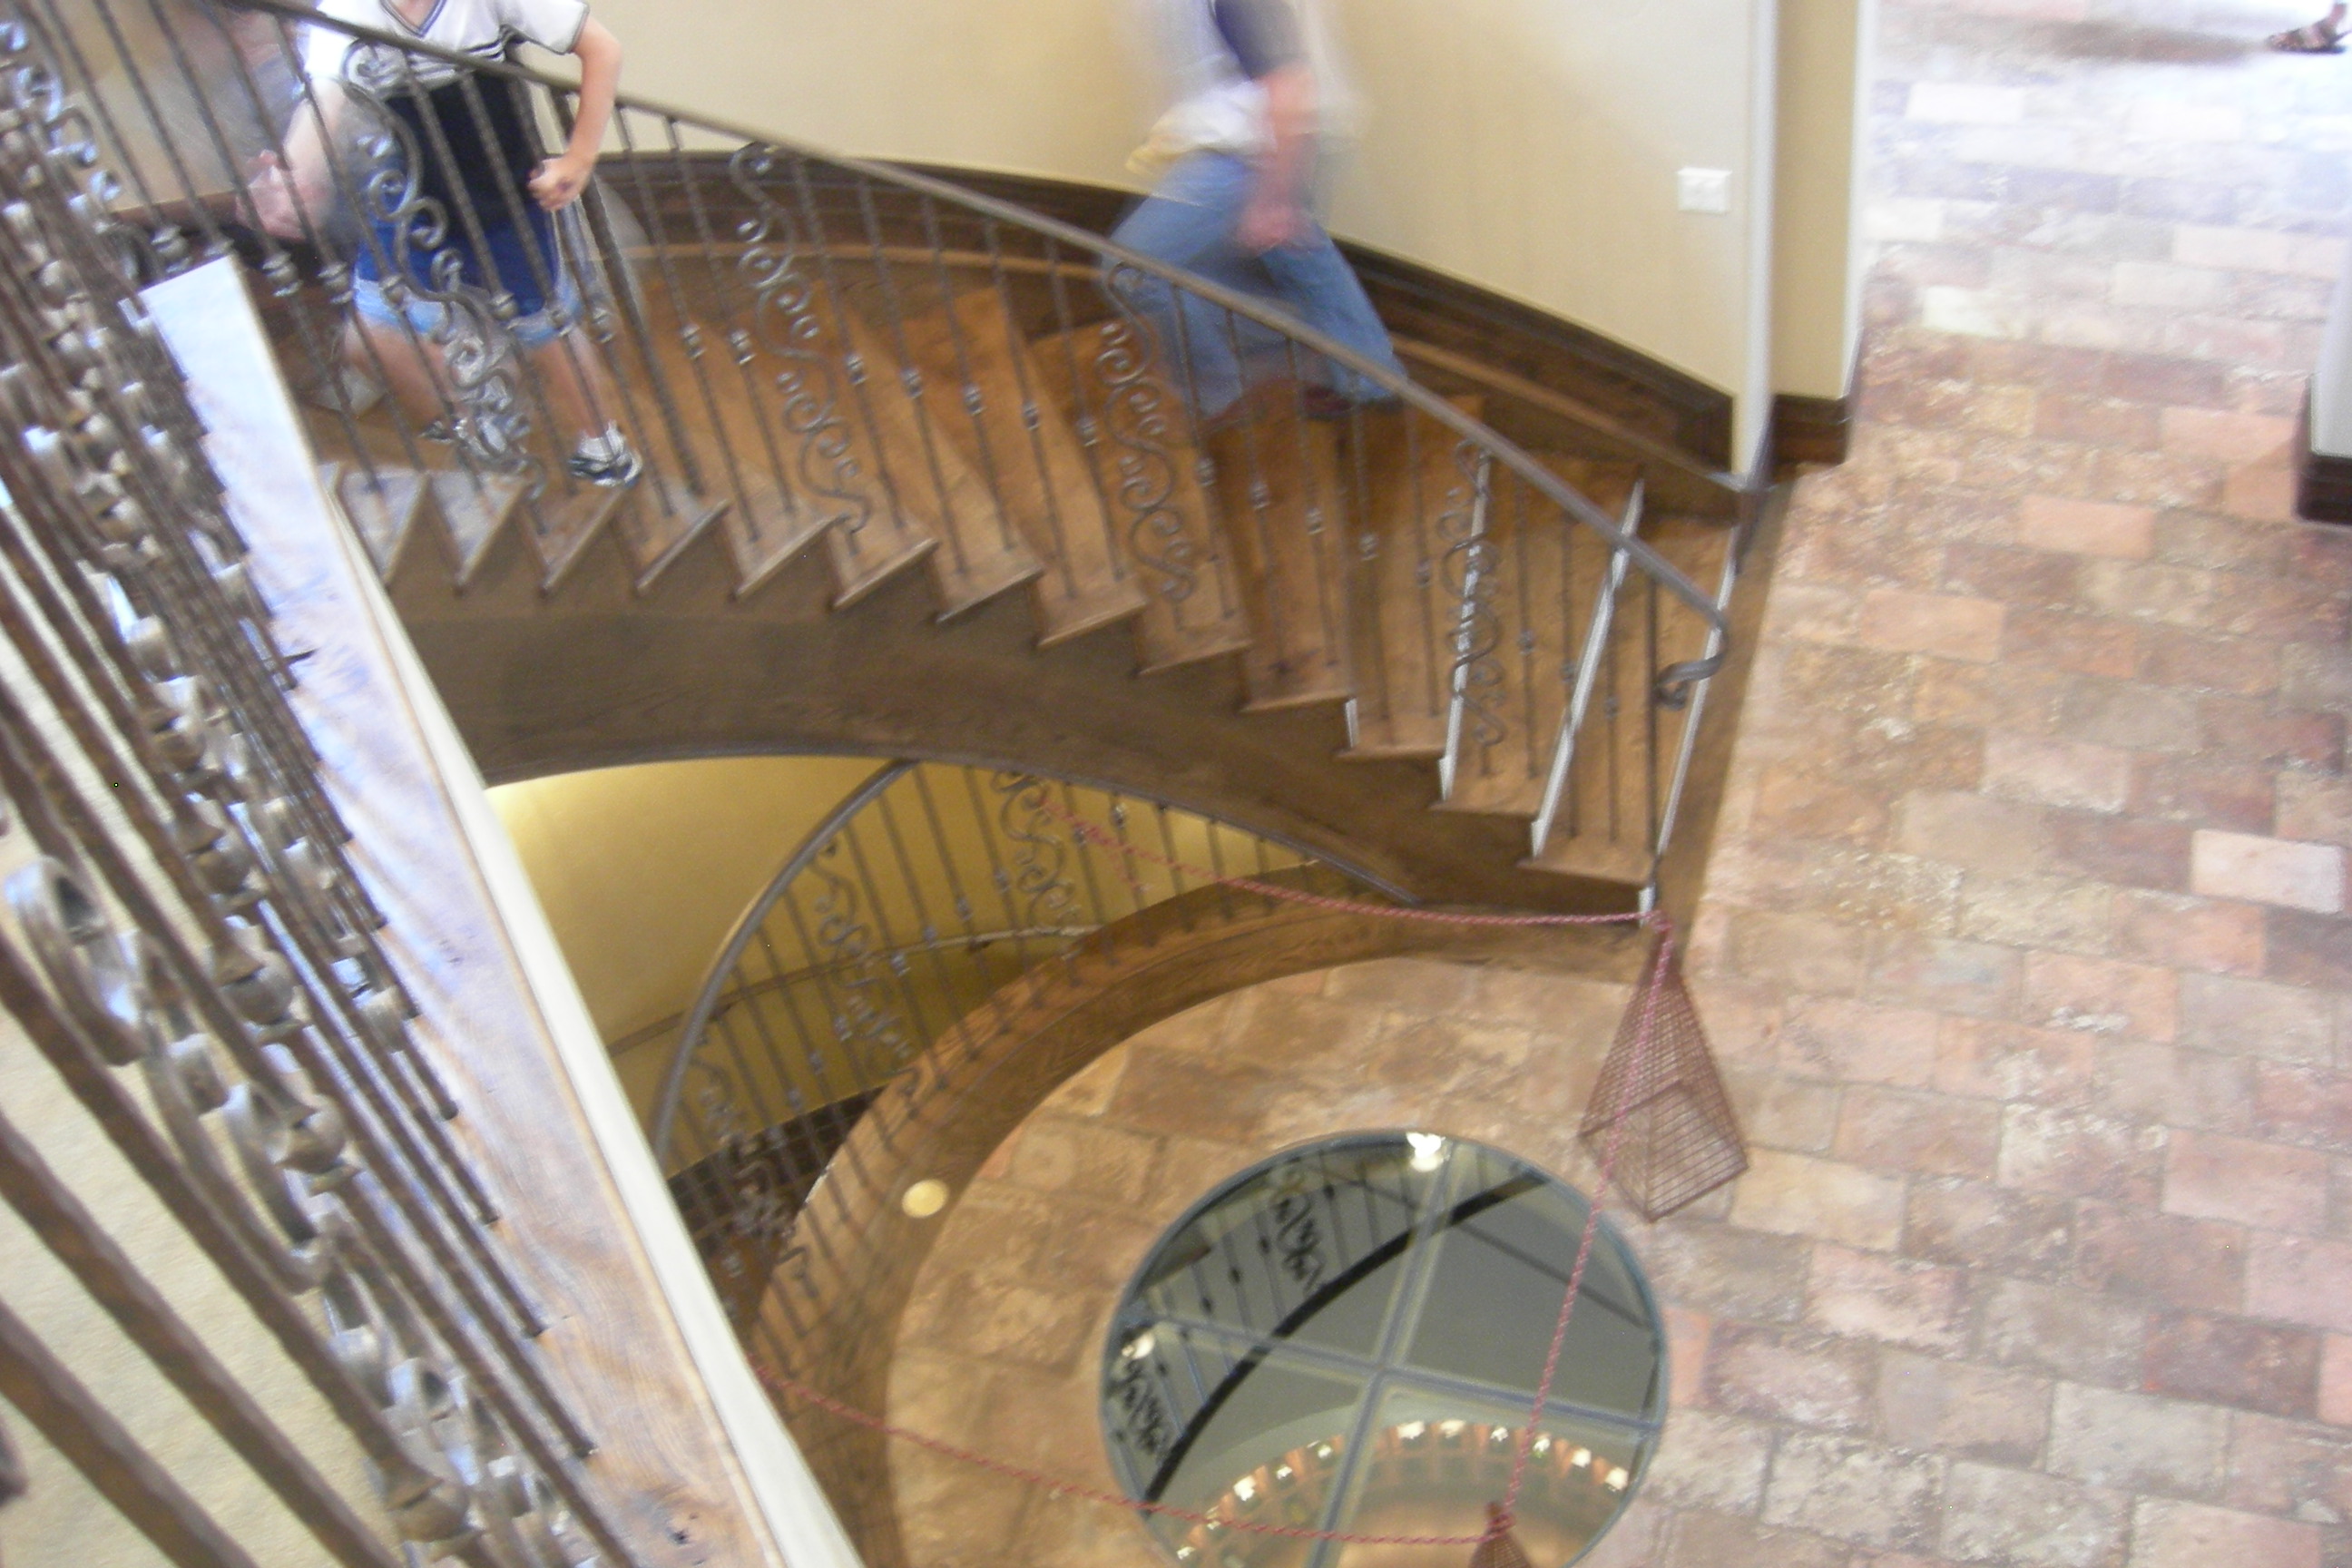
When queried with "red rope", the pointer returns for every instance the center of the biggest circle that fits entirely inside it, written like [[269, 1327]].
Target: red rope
[[1501, 1518], [1643, 1031]]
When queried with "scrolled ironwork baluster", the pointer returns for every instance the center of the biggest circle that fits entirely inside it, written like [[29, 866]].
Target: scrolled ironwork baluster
[[1041, 855], [1141, 414], [867, 1020], [473, 328], [786, 323]]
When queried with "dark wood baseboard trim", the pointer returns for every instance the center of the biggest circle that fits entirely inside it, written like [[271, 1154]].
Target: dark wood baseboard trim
[[2323, 482], [1809, 430]]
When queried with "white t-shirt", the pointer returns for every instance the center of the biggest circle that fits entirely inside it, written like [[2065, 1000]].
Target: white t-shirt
[[483, 28], [1217, 107]]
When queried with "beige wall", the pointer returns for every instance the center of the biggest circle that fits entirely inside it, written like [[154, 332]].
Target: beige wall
[[1526, 145], [1824, 55], [642, 871]]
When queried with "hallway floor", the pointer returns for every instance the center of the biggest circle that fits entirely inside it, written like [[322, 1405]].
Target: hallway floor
[[2025, 949]]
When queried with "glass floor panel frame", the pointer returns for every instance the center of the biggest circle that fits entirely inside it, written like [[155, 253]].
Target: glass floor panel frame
[[1218, 1357]]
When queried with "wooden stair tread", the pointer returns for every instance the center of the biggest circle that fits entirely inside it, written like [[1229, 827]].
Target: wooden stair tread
[[1003, 419], [725, 383], [1277, 483], [1138, 438], [381, 509], [928, 478], [1413, 507], [1601, 859]]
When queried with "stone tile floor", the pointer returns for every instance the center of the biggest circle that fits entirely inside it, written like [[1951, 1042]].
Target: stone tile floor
[[2025, 948]]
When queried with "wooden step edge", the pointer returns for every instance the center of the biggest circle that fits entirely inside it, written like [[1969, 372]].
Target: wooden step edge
[[853, 579], [1290, 701], [385, 522], [1222, 647], [576, 521], [963, 592], [1391, 751], [1068, 617], [758, 560], [682, 512], [1600, 859], [474, 507], [1521, 798]]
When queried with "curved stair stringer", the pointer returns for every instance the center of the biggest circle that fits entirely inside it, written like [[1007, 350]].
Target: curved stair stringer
[[832, 1315], [600, 672]]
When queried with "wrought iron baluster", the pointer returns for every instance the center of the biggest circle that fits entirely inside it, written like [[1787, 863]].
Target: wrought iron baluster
[[690, 331], [51, 1210], [1032, 415], [891, 958], [1468, 575], [740, 346], [215, 242], [1086, 423], [1321, 520], [993, 465], [479, 353], [928, 930], [911, 381], [1139, 417], [788, 324]]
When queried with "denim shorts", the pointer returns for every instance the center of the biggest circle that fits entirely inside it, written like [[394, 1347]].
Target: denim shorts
[[536, 323]]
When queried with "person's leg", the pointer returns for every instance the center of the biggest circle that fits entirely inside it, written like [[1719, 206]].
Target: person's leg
[[1323, 291], [375, 341], [1188, 222], [578, 389], [586, 406]]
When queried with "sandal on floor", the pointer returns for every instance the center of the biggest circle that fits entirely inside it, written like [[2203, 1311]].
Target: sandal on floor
[[2311, 38]]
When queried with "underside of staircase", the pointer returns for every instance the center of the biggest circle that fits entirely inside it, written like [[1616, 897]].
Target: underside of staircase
[[983, 529]]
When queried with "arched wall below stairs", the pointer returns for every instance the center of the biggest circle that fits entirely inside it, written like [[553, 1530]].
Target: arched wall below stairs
[[601, 675]]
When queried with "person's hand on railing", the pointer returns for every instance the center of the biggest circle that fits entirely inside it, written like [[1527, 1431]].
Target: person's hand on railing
[[560, 181], [277, 198]]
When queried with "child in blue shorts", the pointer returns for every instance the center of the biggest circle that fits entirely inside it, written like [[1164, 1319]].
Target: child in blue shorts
[[480, 201]]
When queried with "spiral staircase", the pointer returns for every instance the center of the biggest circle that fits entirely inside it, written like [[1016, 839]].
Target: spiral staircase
[[925, 474]]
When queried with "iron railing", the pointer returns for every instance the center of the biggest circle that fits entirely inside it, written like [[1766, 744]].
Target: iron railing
[[804, 347], [911, 909], [197, 1013]]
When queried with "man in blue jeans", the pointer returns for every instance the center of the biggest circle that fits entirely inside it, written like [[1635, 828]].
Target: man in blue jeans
[[1234, 159]]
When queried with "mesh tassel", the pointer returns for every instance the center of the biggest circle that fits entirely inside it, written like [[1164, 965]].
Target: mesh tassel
[[1680, 1140], [1500, 1548]]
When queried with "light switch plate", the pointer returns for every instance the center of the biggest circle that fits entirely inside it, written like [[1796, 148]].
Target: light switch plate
[[1703, 190]]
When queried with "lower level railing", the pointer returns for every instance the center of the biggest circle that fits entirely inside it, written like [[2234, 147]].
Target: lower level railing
[[910, 912]]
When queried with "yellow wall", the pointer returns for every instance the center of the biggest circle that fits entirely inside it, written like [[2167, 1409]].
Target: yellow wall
[[642, 871], [1528, 145]]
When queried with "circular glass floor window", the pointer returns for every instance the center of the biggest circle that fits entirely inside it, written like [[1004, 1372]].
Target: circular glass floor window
[[1349, 1338]]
